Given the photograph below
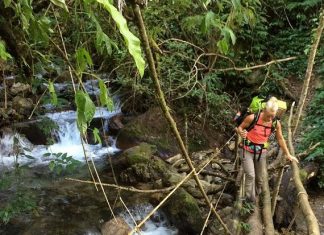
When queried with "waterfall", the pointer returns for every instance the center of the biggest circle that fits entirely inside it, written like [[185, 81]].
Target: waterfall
[[14, 147]]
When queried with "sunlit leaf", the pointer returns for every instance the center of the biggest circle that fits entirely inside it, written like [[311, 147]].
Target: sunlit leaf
[[132, 42], [7, 2], [3, 53], [223, 46], [60, 3], [85, 110]]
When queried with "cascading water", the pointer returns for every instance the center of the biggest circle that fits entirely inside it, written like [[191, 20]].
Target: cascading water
[[15, 148], [157, 225]]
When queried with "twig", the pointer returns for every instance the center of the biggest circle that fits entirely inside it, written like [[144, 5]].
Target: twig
[[256, 66], [183, 41]]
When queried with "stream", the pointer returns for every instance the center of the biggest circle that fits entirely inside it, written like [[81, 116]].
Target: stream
[[39, 201]]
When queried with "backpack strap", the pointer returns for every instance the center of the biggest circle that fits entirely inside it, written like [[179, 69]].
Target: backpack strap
[[255, 120], [274, 124]]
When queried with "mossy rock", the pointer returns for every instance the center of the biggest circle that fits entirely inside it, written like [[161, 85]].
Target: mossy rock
[[139, 154], [142, 165], [183, 210], [150, 127]]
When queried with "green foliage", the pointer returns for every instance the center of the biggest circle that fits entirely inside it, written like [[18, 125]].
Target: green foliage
[[314, 124], [52, 92], [132, 42], [105, 99], [22, 202], [85, 110], [3, 53], [245, 227], [97, 138], [62, 163]]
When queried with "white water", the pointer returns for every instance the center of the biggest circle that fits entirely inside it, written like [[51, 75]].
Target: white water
[[157, 225], [68, 142]]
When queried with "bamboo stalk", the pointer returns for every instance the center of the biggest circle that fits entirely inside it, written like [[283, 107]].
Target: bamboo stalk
[[130, 189], [309, 70], [165, 108], [266, 210], [311, 221]]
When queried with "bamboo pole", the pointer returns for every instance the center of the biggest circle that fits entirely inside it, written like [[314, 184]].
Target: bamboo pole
[[266, 210], [311, 221], [309, 70], [165, 108]]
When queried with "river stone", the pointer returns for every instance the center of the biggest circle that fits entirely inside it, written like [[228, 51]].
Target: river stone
[[23, 105], [19, 88], [116, 226]]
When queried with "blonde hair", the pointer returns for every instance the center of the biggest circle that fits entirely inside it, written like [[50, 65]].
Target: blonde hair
[[272, 104]]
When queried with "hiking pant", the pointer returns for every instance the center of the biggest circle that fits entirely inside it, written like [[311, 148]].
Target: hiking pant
[[253, 173]]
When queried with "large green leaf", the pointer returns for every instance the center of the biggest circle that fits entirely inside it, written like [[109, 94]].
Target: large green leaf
[[60, 3], [105, 99], [132, 42], [85, 110], [3, 53], [83, 59]]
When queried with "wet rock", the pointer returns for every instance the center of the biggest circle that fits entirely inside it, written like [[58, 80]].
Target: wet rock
[[20, 88], [116, 226], [115, 124], [22, 105]]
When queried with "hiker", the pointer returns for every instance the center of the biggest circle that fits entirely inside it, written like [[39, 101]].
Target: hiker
[[254, 146]]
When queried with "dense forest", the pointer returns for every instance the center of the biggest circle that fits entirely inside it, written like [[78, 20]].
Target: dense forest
[[169, 77]]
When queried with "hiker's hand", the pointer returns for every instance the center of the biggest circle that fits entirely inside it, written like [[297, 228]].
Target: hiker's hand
[[292, 158], [243, 133]]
